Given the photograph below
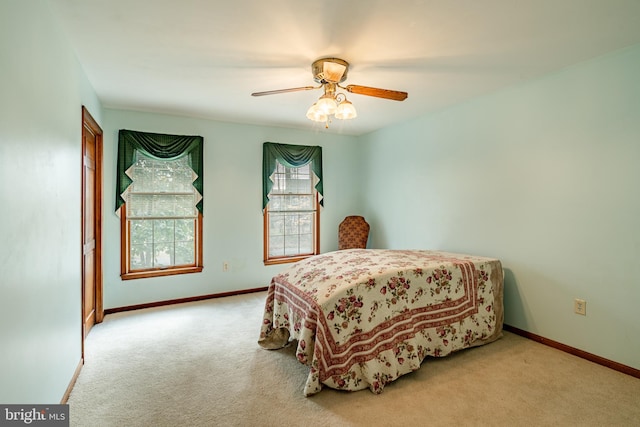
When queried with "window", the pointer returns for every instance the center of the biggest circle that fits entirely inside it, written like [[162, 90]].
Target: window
[[292, 202], [160, 210], [292, 214]]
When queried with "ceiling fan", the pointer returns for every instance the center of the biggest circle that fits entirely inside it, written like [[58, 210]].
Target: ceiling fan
[[330, 72]]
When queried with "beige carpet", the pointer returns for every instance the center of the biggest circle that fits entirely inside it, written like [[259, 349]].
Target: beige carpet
[[198, 364]]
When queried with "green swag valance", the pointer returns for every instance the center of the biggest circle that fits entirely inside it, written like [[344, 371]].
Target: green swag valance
[[292, 156], [157, 146]]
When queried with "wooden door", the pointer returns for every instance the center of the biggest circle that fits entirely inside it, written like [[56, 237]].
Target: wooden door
[[92, 309]]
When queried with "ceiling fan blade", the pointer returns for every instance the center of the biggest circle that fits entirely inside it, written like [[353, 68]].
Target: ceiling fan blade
[[293, 89], [379, 93]]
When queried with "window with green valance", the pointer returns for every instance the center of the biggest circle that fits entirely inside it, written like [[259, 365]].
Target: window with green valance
[[159, 187], [291, 156], [291, 200], [158, 146]]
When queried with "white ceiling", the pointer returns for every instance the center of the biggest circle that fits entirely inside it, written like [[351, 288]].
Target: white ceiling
[[204, 58]]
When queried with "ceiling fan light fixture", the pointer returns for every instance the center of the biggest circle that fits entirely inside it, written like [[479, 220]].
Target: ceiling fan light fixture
[[346, 111], [330, 72], [315, 114], [327, 104]]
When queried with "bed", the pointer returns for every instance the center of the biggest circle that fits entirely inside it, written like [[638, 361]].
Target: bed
[[361, 318]]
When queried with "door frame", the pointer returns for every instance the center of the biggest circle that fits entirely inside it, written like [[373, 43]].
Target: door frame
[[90, 125]]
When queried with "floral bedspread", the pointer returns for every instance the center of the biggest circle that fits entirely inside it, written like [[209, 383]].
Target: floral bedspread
[[364, 317]]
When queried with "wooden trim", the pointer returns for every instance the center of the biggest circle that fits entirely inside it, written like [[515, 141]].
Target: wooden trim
[[124, 241], [265, 234], [172, 271], [576, 352], [182, 300], [287, 259], [89, 123], [87, 119], [125, 256], [199, 234], [316, 241], [72, 383], [99, 200]]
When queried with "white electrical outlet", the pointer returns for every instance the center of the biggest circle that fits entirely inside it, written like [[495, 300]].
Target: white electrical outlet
[[580, 306], [225, 266]]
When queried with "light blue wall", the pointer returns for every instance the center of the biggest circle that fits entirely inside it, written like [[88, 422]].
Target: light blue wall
[[543, 176], [42, 90], [232, 204]]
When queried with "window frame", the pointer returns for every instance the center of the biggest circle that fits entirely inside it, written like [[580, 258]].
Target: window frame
[[291, 156], [291, 258], [161, 147], [125, 253]]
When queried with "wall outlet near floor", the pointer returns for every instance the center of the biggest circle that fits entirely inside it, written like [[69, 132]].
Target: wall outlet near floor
[[580, 306], [225, 266]]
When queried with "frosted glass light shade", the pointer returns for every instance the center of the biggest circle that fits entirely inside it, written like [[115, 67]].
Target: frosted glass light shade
[[327, 104], [315, 114], [346, 111]]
